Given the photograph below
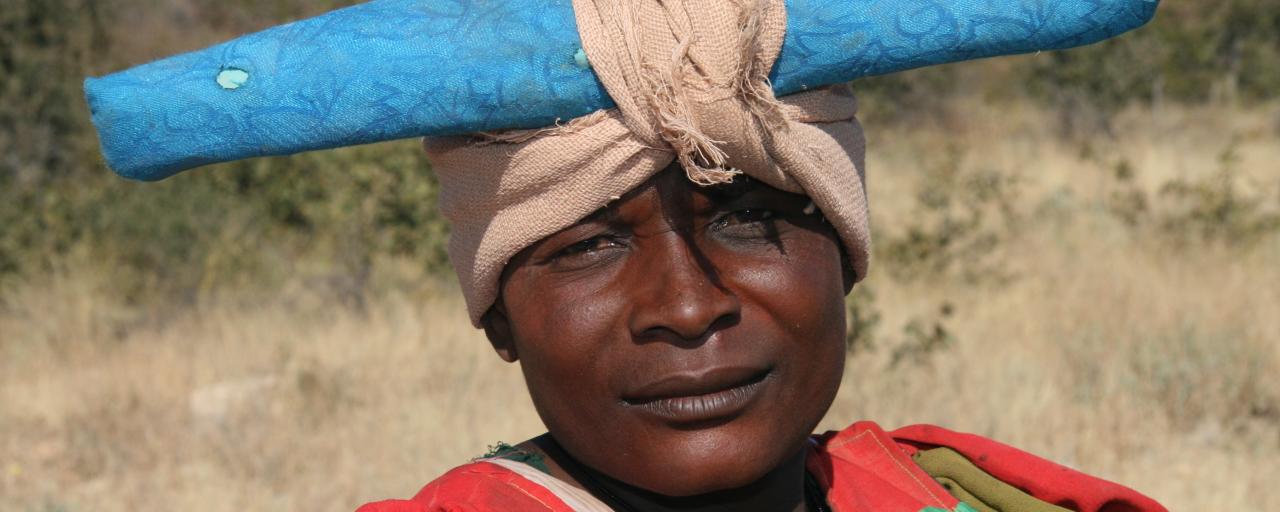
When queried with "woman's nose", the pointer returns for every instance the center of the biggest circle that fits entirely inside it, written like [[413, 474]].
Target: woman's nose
[[678, 294]]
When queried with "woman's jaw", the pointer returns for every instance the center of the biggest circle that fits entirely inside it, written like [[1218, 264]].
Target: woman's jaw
[[684, 340]]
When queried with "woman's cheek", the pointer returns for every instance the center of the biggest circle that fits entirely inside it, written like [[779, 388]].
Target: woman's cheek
[[803, 272], [565, 340]]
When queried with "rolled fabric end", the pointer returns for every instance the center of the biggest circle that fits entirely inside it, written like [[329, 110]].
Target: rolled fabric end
[[830, 42], [393, 69], [383, 70]]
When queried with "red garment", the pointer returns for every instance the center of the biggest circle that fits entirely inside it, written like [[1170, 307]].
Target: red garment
[[1048, 482], [476, 487], [862, 468]]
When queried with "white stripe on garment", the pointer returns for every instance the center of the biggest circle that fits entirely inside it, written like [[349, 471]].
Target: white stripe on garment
[[577, 499]]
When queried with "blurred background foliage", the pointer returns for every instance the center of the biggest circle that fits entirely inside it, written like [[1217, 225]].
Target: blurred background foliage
[[246, 225], [1069, 244]]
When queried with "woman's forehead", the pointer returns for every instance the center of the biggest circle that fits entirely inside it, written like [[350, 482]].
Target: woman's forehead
[[675, 194]]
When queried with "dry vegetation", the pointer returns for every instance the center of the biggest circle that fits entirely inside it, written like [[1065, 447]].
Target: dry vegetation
[[1094, 284], [1060, 296]]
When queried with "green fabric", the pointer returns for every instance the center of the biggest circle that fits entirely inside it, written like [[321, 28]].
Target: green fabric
[[963, 507], [964, 496], [508, 452], [967, 483]]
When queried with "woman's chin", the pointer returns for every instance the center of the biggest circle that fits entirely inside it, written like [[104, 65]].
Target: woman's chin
[[697, 469], [677, 487]]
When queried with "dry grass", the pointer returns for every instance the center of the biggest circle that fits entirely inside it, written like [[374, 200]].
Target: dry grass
[[1102, 345]]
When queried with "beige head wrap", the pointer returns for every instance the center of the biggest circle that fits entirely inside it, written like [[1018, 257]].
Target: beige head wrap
[[690, 78]]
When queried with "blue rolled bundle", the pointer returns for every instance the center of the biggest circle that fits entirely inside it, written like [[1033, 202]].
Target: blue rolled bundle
[[830, 42], [393, 69]]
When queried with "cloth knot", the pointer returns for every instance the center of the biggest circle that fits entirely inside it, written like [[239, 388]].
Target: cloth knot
[[692, 76]]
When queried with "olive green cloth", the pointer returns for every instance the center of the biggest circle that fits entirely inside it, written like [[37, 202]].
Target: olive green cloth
[[974, 486]]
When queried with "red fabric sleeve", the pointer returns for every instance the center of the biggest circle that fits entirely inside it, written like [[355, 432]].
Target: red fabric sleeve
[[476, 487], [1049, 482], [862, 470], [393, 506]]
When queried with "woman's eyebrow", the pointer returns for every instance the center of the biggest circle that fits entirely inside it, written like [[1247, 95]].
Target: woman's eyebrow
[[737, 188], [606, 215]]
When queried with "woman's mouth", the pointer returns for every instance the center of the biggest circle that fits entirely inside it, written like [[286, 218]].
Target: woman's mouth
[[698, 397]]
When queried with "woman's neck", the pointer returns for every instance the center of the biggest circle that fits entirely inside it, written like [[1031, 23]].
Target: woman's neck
[[780, 490]]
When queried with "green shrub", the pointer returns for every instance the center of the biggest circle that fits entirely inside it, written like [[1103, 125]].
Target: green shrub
[[961, 217], [862, 319], [1194, 51], [239, 224], [1217, 208], [923, 338], [250, 223]]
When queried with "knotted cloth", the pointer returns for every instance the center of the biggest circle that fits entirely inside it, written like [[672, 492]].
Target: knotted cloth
[[690, 80]]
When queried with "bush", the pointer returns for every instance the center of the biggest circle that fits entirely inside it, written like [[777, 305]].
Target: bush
[[251, 222], [238, 224], [1195, 51], [1217, 208], [961, 217]]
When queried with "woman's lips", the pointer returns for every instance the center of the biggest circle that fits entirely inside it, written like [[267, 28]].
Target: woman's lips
[[703, 396]]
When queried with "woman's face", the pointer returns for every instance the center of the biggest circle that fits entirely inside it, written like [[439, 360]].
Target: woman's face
[[684, 339]]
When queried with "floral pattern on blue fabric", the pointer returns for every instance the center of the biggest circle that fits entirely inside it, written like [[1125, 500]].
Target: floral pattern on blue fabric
[[392, 69]]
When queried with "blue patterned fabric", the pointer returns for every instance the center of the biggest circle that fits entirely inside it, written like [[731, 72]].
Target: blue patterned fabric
[[392, 69], [829, 41]]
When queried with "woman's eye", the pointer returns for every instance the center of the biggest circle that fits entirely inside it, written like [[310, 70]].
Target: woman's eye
[[586, 246], [587, 253], [747, 216]]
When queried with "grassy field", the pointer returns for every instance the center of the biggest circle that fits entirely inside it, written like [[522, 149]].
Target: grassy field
[[1108, 298]]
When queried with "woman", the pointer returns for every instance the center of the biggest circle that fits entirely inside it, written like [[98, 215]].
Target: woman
[[670, 274], [682, 343]]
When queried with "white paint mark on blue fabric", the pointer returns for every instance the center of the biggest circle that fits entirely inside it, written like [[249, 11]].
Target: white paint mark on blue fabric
[[233, 78]]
